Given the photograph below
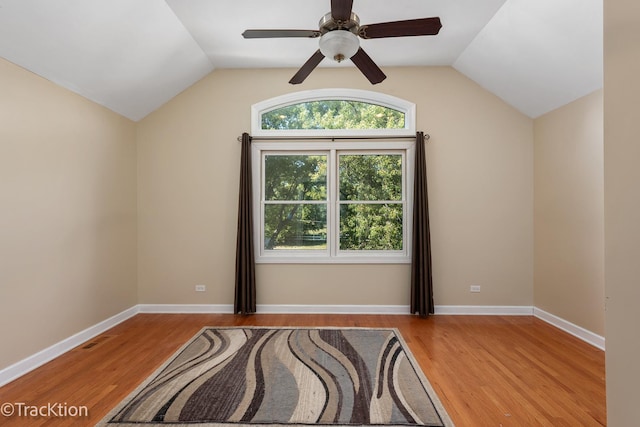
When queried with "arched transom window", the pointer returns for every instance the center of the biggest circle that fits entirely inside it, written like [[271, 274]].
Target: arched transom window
[[335, 112]]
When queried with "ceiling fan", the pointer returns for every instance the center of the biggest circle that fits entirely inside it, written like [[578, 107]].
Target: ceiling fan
[[339, 31]]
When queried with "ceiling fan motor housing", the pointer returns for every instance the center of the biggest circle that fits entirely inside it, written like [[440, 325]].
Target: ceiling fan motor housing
[[327, 24]]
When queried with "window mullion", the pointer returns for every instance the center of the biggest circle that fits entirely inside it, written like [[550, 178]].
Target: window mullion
[[333, 227]]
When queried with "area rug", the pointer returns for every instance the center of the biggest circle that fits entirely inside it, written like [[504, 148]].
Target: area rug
[[255, 376]]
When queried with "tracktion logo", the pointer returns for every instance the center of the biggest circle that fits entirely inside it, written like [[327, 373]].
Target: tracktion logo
[[49, 410]]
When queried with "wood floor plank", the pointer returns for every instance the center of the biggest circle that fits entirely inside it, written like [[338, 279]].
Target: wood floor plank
[[486, 370]]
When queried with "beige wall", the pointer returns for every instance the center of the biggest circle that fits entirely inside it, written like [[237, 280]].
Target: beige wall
[[569, 213], [68, 216], [622, 209], [480, 160]]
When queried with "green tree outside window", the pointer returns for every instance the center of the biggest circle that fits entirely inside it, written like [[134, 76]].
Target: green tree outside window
[[370, 202], [333, 114]]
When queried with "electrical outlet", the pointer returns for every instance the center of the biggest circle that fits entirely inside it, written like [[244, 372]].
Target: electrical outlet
[[201, 288], [474, 288]]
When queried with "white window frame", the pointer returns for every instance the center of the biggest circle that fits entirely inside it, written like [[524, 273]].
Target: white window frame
[[406, 107], [286, 142], [332, 254]]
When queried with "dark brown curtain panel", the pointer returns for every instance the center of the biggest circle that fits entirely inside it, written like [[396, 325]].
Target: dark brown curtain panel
[[421, 281], [245, 297]]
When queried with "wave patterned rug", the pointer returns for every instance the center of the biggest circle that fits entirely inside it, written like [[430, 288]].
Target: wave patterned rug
[[286, 377]]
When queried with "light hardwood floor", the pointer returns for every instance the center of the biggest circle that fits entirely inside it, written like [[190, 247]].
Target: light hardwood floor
[[486, 370]]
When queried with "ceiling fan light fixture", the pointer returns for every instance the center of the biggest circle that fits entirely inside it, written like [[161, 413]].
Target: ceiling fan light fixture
[[340, 33], [339, 45]]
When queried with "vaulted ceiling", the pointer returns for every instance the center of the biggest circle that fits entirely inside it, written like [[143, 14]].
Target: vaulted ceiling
[[132, 56]]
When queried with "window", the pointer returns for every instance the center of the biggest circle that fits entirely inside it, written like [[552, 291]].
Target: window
[[333, 112], [295, 203], [333, 201], [371, 201]]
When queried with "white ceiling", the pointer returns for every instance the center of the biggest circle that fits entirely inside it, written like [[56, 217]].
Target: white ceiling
[[132, 56]]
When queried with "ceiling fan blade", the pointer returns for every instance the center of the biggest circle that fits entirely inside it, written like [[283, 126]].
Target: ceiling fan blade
[[411, 27], [369, 68], [307, 68], [341, 9], [268, 34]]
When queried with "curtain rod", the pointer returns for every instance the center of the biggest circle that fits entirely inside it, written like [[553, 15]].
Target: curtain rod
[[330, 138]]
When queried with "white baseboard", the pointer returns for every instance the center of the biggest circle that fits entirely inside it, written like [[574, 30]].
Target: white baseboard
[[331, 309], [337, 309], [32, 362], [485, 310], [573, 329], [186, 308]]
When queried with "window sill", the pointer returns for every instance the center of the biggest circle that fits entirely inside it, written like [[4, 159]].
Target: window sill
[[333, 260]]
